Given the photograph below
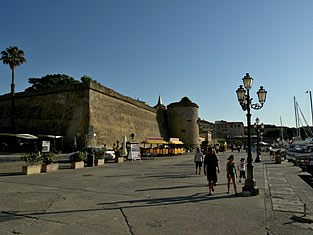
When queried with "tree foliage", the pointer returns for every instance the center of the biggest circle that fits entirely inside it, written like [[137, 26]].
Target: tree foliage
[[51, 81], [86, 79], [13, 57]]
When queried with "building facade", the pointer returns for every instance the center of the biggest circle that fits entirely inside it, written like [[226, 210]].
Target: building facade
[[224, 129], [206, 131]]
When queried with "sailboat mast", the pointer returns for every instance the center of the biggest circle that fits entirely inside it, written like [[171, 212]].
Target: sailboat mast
[[281, 130], [311, 106], [294, 103]]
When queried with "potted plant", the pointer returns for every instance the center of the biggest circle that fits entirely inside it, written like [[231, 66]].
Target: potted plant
[[49, 162], [77, 160], [33, 166], [119, 158], [100, 157]]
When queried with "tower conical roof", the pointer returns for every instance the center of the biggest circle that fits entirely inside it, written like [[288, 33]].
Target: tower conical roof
[[160, 103]]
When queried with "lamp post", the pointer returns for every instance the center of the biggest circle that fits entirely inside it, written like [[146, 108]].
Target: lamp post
[[244, 99], [259, 131]]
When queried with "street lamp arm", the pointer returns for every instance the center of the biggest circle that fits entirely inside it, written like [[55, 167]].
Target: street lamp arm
[[256, 106]]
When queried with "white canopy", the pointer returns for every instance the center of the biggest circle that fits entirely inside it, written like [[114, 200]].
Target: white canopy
[[27, 136]]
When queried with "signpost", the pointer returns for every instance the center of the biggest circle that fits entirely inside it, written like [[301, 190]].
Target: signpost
[[134, 152], [45, 146]]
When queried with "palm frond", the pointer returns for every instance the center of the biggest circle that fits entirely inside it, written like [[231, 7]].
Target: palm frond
[[13, 56]]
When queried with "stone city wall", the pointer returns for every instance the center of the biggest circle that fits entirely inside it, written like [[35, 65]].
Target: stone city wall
[[113, 115], [96, 115], [61, 111]]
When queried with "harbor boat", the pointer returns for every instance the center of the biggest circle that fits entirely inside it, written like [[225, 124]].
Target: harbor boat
[[301, 151]]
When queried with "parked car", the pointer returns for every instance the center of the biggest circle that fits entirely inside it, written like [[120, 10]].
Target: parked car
[[109, 155]]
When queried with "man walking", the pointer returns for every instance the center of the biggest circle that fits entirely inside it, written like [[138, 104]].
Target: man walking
[[210, 167]]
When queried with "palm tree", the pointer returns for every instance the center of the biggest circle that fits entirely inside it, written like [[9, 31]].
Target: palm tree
[[13, 57]]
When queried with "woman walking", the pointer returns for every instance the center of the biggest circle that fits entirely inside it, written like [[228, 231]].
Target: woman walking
[[231, 173], [198, 160]]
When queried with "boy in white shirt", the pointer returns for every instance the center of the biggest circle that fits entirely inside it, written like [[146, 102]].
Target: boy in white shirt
[[242, 169]]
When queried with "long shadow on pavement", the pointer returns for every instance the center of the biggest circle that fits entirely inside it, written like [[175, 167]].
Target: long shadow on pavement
[[198, 197], [168, 176], [174, 187], [11, 174], [8, 217], [119, 205]]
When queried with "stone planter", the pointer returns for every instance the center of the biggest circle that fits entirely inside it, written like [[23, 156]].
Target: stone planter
[[31, 169], [76, 165], [120, 159], [50, 167], [99, 162]]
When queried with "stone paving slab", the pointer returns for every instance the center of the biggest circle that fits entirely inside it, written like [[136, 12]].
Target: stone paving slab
[[287, 201], [277, 180], [285, 197], [287, 208]]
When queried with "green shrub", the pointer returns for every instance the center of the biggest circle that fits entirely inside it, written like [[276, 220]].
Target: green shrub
[[31, 158], [79, 156], [100, 154], [48, 158]]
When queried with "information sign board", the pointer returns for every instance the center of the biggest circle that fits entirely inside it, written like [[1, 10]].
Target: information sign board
[[134, 152], [45, 146]]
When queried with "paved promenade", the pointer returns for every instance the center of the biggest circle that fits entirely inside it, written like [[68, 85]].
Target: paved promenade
[[162, 196]]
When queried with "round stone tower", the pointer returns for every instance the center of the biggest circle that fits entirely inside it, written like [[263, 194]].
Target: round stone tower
[[183, 122]]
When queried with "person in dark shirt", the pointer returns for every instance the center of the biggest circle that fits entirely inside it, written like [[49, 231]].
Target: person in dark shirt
[[210, 168]]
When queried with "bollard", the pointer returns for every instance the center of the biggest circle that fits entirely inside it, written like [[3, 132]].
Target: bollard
[[304, 209]]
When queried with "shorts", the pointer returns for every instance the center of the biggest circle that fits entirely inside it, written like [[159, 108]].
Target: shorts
[[198, 164], [242, 174], [211, 176]]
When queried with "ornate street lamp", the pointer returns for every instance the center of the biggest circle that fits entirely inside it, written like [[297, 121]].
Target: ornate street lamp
[[246, 105], [259, 132]]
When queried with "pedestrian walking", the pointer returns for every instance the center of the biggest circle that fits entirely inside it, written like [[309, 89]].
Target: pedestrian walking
[[210, 168], [231, 173], [242, 169], [117, 149], [198, 160]]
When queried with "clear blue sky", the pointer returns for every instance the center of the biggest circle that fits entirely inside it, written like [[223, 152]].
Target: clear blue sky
[[173, 48]]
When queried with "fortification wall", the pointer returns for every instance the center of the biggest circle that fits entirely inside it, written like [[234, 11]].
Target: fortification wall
[[113, 115], [81, 110], [5, 123], [61, 111]]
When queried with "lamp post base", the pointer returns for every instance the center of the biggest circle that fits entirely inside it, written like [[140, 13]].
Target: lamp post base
[[250, 185], [254, 190]]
